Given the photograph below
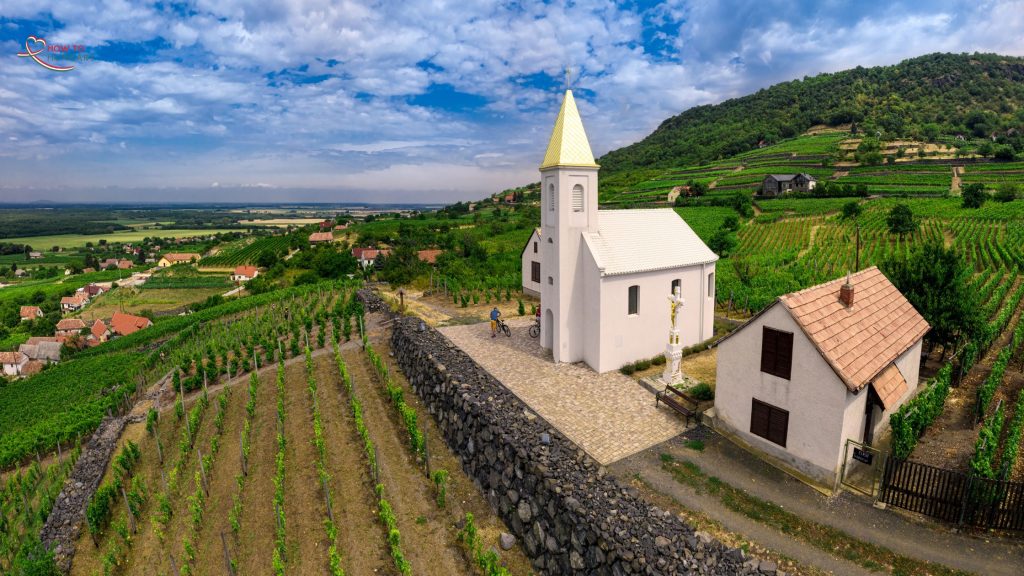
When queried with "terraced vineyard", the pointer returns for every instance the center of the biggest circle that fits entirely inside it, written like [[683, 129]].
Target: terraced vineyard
[[246, 252], [317, 462], [828, 156]]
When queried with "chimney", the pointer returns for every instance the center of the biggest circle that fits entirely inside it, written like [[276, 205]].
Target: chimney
[[846, 292]]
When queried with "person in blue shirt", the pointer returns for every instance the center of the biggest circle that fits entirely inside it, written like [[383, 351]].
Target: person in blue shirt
[[494, 321]]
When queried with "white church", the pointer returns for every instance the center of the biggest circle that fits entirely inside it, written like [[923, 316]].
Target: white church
[[605, 276]]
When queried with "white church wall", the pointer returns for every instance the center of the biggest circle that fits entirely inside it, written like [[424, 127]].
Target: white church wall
[[591, 307], [531, 254], [814, 396], [626, 338]]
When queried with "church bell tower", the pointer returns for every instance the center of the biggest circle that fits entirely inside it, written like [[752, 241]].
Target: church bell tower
[[568, 210]]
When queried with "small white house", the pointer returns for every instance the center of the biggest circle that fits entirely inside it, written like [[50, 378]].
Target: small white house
[[606, 275], [819, 367], [11, 363], [244, 273]]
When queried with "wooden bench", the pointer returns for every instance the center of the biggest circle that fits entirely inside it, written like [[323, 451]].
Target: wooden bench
[[676, 400]]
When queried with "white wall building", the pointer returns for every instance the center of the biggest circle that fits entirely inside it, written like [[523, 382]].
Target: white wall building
[[605, 276], [819, 367]]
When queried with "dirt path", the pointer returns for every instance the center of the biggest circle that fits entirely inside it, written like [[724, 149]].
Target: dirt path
[[853, 515], [209, 551], [256, 536], [954, 185], [304, 509], [810, 240], [425, 540], [658, 484], [360, 535]]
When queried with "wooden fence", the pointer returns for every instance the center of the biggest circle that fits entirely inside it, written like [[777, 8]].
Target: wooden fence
[[951, 496]]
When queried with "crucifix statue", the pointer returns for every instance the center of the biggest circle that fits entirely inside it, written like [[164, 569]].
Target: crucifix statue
[[673, 350]]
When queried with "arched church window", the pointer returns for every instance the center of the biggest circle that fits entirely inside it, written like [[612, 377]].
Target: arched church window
[[577, 198], [677, 283]]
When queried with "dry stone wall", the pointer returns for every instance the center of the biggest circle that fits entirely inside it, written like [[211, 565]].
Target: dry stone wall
[[572, 518], [62, 526]]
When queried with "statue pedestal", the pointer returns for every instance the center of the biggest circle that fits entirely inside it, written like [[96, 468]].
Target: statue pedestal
[[673, 354]]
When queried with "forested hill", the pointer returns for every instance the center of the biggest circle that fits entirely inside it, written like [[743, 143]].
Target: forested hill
[[922, 98]]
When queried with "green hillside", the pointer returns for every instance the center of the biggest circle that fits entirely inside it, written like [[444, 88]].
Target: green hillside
[[933, 98]]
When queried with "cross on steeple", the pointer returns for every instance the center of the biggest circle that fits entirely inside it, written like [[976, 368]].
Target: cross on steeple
[[568, 74]]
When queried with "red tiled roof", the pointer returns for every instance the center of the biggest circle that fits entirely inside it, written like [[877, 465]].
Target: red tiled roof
[[429, 256], [368, 253], [98, 329], [77, 298], [890, 386], [860, 341], [32, 367], [30, 311], [247, 271], [71, 324], [124, 264], [125, 324], [12, 358], [37, 339], [321, 237]]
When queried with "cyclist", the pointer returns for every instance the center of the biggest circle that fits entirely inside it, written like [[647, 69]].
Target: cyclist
[[495, 314]]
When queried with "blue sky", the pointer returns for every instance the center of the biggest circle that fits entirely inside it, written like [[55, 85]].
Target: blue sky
[[317, 100]]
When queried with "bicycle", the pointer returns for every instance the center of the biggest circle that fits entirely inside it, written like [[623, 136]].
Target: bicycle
[[535, 329], [502, 327]]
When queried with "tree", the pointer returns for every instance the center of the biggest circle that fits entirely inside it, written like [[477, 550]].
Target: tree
[[731, 222], [1003, 153], [722, 242], [330, 263], [901, 220], [1007, 192], [974, 195], [266, 259], [851, 210], [742, 203], [936, 280]]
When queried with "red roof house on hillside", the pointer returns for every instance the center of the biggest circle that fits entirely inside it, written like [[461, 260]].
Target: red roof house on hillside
[[124, 324], [30, 312], [245, 273], [366, 256], [70, 326]]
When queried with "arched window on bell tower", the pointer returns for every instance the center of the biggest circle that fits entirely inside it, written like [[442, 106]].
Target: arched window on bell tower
[[577, 198]]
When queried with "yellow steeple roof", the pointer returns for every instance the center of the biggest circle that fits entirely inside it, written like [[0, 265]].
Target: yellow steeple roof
[[568, 145]]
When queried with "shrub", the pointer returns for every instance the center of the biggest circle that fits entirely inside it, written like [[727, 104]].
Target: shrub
[[628, 369], [701, 392]]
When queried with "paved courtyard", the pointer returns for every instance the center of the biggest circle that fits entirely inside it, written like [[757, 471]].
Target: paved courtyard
[[609, 415]]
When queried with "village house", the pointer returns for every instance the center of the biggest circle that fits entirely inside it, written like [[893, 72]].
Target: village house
[[779, 184], [531, 264], [244, 273], [340, 227], [46, 350], [124, 264], [30, 313], [93, 290], [429, 256], [172, 258], [109, 263], [321, 238], [606, 275], [75, 302], [35, 255], [367, 256], [124, 324], [12, 363], [98, 333], [68, 327], [817, 368], [88, 270]]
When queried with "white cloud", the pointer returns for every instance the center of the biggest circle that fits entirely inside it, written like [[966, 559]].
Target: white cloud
[[234, 85]]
